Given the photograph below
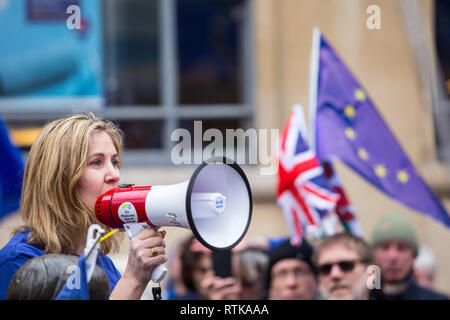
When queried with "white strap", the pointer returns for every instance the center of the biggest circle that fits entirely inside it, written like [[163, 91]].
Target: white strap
[[91, 250]]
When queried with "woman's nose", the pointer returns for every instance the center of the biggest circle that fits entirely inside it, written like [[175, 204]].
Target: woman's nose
[[112, 175]]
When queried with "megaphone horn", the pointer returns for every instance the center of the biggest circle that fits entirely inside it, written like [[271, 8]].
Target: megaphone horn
[[215, 203]]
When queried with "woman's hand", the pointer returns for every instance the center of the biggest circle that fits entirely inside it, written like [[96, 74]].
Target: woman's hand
[[142, 260]]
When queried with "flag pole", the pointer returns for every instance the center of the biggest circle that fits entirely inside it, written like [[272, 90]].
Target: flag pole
[[313, 90], [313, 83]]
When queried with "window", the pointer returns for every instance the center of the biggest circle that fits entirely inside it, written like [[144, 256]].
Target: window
[[442, 11], [442, 100], [209, 51], [150, 65], [433, 64]]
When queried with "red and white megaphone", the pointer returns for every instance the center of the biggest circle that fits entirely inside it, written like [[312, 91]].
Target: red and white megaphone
[[215, 203]]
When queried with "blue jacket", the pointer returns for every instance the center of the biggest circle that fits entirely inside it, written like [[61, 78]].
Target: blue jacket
[[18, 251]]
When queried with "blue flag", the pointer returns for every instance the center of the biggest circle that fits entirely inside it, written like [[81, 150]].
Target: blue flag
[[11, 172], [76, 287], [348, 126]]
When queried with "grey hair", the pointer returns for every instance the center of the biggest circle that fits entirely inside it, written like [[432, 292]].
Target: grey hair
[[253, 265]]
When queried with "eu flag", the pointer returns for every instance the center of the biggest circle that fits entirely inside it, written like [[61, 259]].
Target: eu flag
[[348, 126], [11, 172]]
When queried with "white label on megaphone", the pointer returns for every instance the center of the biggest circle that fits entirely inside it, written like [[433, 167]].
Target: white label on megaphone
[[213, 200], [127, 213], [173, 219]]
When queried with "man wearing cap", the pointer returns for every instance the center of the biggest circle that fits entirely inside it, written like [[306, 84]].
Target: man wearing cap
[[394, 243], [291, 274]]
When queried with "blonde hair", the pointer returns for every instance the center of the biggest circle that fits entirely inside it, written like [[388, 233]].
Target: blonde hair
[[51, 206]]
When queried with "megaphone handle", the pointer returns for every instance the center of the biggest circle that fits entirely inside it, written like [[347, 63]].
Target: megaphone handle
[[132, 230], [159, 273]]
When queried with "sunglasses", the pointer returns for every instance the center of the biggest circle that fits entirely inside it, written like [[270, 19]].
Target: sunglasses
[[345, 266]]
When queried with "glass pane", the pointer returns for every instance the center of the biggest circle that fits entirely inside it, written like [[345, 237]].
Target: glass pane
[[142, 134], [42, 60], [209, 51], [443, 38], [240, 146], [131, 52], [139, 134]]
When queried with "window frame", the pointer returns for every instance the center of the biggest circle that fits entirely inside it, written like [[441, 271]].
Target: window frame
[[429, 72], [170, 111]]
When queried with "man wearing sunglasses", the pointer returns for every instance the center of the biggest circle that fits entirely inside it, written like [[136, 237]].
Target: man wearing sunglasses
[[341, 261]]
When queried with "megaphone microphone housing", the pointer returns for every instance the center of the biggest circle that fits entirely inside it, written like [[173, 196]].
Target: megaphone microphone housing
[[215, 203]]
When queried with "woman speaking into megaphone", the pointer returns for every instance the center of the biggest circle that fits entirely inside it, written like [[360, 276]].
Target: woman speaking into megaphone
[[71, 163]]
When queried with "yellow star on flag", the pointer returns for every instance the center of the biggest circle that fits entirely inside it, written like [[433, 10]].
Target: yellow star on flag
[[360, 95], [362, 154], [381, 171], [350, 133], [402, 176], [350, 111]]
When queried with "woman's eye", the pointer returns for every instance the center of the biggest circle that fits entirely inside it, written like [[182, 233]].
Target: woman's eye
[[95, 163], [116, 163]]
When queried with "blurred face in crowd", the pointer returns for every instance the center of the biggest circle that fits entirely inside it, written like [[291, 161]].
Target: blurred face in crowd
[[292, 279], [253, 290], [424, 277], [102, 168], [202, 269], [395, 259], [341, 274]]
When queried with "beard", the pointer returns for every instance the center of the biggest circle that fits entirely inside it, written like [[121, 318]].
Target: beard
[[356, 291]]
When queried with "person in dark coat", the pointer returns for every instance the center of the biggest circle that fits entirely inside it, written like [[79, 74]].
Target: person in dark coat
[[395, 247], [291, 274]]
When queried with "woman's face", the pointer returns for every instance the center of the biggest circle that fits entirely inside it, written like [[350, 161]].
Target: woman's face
[[102, 168]]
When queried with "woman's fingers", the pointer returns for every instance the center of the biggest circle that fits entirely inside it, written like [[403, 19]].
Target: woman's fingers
[[149, 248], [148, 239], [156, 251], [147, 233], [147, 243], [147, 251]]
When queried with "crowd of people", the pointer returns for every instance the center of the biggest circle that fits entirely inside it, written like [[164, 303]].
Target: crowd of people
[[76, 159], [389, 266]]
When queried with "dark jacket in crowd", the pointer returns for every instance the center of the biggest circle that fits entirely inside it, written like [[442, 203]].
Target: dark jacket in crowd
[[412, 292]]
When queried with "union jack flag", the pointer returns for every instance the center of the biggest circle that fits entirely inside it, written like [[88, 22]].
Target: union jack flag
[[303, 192], [344, 209]]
